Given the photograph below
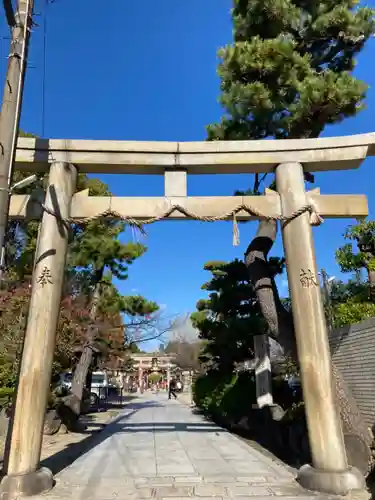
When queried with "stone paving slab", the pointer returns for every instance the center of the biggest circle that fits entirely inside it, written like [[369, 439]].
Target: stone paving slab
[[159, 449]]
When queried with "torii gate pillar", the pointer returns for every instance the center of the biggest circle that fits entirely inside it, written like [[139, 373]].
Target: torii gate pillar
[[24, 475], [330, 472]]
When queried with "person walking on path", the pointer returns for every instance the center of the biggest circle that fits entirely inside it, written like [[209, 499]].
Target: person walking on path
[[172, 389]]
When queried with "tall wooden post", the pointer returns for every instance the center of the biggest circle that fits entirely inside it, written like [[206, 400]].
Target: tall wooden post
[[263, 378], [11, 106], [330, 471], [24, 477]]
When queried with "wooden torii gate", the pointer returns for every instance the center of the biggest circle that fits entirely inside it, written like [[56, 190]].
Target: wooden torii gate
[[288, 159]]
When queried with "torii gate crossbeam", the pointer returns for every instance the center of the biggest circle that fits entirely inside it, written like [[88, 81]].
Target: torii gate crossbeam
[[225, 157]]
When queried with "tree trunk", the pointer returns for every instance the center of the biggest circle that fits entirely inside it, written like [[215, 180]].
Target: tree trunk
[[280, 324], [75, 400], [79, 377]]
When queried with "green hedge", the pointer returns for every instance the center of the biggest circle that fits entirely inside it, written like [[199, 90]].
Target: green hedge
[[233, 395], [225, 394]]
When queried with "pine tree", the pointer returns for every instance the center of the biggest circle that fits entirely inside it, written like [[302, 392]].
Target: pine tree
[[96, 248], [287, 74]]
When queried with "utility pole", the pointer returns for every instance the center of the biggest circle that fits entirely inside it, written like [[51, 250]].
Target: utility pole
[[327, 297], [20, 25]]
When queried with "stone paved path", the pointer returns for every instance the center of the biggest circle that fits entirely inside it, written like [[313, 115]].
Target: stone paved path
[[160, 449]]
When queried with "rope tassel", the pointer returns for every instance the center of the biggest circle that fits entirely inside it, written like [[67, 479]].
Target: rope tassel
[[315, 218]]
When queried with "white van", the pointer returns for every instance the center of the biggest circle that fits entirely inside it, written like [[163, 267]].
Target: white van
[[99, 387]]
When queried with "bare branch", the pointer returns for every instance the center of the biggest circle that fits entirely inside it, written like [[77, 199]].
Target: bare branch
[[156, 336], [153, 328]]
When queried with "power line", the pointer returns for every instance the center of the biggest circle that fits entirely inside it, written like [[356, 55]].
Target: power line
[[44, 69]]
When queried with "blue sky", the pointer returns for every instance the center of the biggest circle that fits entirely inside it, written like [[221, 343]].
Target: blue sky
[[146, 70]]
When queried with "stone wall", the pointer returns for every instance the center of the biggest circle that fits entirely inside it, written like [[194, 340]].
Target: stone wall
[[353, 352]]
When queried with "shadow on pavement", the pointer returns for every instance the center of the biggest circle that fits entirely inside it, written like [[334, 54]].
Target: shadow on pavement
[[111, 403], [62, 459], [170, 427]]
